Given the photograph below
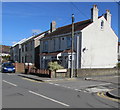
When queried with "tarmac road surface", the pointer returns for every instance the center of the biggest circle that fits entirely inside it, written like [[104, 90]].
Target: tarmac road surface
[[19, 92]]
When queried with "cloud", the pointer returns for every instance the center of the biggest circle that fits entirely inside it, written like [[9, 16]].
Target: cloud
[[37, 31], [14, 42]]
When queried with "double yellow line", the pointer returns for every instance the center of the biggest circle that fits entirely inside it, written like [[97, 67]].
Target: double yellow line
[[31, 80], [101, 94]]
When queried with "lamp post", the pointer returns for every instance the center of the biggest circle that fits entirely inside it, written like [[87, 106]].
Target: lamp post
[[72, 46]]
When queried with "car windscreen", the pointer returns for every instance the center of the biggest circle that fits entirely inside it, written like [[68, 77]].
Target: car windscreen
[[8, 65]]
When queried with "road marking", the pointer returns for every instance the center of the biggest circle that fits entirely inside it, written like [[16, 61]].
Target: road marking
[[50, 83], [101, 94], [49, 98], [11, 74], [77, 90], [31, 80], [96, 89], [9, 83], [56, 84]]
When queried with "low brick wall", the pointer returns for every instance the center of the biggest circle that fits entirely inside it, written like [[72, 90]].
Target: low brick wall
[[62, 75], [19, 67], [97, 72]]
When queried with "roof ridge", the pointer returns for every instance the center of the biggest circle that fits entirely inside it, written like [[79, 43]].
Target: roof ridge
[[74, 23]]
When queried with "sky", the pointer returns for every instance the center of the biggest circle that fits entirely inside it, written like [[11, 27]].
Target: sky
[[21, 19]]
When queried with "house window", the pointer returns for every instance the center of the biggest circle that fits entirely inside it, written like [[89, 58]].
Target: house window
[[22, 59], [45, 45], [22, 48], [25, 59], [102, 24], [69, 42], [26, 48], [31, 45], [54, 44], [59, 42]]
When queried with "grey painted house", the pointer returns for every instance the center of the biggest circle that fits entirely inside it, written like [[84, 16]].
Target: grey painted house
[[90, 38], [15, 51], [27, 50]]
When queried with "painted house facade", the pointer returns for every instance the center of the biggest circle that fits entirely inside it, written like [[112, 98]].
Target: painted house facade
[[15, 51], [118, 51], [27, 50], [95, 43]]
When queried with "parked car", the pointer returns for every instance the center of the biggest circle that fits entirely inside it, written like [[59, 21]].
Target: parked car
[[8, 67]]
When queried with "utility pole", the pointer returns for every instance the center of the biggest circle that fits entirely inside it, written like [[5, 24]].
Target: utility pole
[[72, 46]]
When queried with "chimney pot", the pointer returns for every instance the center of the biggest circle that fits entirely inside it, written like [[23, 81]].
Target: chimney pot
[[53, 26], [94, 13], [108, 16]]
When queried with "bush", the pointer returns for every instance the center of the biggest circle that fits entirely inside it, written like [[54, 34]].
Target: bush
[[53, 66], [118, 65]]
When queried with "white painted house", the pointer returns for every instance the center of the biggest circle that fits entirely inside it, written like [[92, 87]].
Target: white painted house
[[95, 43], [118, 51]]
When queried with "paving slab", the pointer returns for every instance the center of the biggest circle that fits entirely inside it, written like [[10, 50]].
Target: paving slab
[[43, 79]]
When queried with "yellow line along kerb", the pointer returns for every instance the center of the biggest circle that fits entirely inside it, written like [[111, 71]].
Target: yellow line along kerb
[[101, 94], [31, 80]]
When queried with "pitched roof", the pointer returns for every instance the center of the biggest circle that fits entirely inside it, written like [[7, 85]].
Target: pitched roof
[[67, 29], [33, 37]]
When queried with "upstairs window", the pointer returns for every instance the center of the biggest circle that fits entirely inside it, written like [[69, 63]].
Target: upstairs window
[[69, 42], [26, 48], [59, 43], [102, 24], [45, 46], [54, 43], [22, 48]]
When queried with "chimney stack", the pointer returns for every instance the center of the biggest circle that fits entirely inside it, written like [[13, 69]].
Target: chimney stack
[[108, 16], [94, 13], [53, 26]]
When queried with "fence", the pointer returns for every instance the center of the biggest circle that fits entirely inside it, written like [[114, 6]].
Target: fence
[[77, 73], [40, 72]]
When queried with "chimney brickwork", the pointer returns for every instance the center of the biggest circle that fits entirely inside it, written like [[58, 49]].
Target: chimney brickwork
[[53, 26], [94, 13], [108, 16]]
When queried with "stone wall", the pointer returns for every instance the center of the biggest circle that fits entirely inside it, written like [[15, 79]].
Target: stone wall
[[97, 72], [87, 73]]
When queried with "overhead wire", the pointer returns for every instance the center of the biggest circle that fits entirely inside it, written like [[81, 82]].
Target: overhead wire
[[79, 10], [118, 2]]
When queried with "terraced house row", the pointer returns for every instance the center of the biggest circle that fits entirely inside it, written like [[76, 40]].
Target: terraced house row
[[95, 44]]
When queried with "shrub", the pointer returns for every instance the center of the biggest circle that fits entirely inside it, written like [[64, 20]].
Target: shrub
[[118, 65], [53, 66]]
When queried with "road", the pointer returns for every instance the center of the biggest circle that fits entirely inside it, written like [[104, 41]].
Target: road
[[18, 92]]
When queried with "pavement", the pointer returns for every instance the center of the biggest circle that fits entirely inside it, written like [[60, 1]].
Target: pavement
[[112, 79], [113, 94], [43, 79]]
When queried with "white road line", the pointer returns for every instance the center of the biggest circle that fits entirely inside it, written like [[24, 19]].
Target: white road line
[[49, 98], [102, 84], [56, 84], [50, 83], [9, 83], [77, 89], [10, 74]]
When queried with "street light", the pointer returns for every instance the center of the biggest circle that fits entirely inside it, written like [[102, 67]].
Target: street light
[[72, 46]]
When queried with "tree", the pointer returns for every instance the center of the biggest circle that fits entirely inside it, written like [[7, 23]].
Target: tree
[[53, 66]]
